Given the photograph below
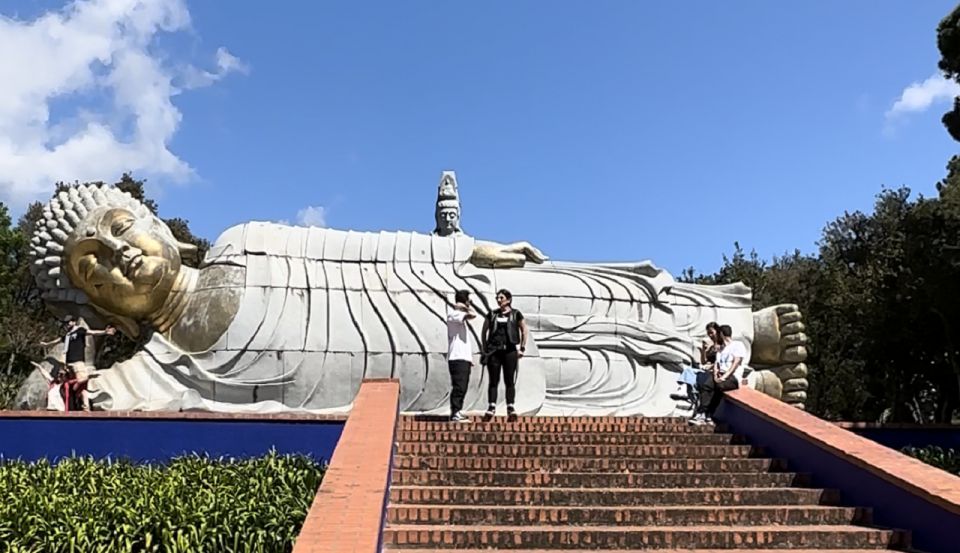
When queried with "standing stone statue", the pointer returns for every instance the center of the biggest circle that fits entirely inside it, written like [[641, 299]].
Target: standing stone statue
[[282, 318], [447, 212]]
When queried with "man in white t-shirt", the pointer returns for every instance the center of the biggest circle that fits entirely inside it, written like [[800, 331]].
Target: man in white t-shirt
[[727, 372], [459, 352]]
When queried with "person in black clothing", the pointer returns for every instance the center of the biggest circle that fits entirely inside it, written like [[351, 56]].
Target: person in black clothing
[[75, 349], [505, 341]]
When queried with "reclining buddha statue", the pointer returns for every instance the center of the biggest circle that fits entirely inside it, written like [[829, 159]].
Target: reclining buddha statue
[[282, 318]]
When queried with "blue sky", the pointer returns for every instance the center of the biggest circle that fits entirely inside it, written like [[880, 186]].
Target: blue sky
[[596, 130]]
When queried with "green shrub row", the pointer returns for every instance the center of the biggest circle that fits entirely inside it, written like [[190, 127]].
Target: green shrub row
[[192, 504], [946, 459]]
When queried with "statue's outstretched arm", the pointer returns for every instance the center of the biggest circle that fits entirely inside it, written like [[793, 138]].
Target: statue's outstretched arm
[[499, 256]]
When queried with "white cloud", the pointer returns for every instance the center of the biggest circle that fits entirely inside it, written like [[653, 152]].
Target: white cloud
[[312, 216], [226, 63], [86, 97], [920, 96]]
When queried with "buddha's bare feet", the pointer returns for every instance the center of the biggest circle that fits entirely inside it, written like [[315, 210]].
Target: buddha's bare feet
[[779, 352]]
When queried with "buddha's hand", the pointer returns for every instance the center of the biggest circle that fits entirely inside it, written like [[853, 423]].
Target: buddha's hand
[[500, 256], [779, 352]]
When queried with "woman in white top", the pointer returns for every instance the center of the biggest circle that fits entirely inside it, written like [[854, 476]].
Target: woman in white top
[[727, 372]]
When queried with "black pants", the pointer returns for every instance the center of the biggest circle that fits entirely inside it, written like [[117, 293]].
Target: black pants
[[505, 359], [459, 379], [712, 393]]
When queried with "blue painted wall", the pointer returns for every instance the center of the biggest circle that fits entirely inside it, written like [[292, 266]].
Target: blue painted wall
[[917, 436], [934, 528], [159, 439]]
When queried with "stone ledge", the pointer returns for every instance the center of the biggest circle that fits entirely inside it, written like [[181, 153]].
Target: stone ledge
[[349, 509], [922, 480], [172, 415]]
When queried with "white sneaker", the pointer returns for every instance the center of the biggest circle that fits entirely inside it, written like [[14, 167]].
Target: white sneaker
[[460, 417], [697, 419]]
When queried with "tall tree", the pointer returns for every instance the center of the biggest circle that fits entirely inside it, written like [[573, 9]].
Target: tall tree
[[948, 41], [22, 319], [878, 302]]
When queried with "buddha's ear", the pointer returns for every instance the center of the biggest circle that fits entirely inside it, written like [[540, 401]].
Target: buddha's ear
[[188, 251]]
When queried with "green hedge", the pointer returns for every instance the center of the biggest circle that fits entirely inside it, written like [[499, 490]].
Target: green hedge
[[192, 504], [946, 459]]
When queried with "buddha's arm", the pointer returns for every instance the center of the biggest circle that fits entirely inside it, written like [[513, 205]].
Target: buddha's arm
[[499, 256]]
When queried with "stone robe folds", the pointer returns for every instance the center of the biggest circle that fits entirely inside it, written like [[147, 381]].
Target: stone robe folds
[[322, 309]]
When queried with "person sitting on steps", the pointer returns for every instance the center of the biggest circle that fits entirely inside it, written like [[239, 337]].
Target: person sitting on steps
[[504, 343], [727, 373], [693, 378]]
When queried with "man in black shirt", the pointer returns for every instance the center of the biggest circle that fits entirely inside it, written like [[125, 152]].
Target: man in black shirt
[[75, 349]]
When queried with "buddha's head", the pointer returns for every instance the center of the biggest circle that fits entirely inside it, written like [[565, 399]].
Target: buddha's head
[[97, 245], [448, 217]]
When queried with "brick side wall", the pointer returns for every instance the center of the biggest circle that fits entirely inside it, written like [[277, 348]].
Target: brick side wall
[[901, 470], [903, 492], [347, 514]]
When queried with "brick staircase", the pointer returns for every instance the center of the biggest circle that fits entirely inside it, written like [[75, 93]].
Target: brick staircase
[[570, 483]]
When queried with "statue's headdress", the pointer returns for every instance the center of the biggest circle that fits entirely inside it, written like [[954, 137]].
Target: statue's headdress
[[448, 195]]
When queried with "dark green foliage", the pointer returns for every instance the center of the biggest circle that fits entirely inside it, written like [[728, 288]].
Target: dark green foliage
[[880, 306], [945, 459], [193, 504], [9, 386], [23, 320], [948, 41], [135, 188]]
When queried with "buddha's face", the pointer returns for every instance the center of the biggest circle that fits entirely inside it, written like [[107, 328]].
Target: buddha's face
[[448, 220], [126, 265]]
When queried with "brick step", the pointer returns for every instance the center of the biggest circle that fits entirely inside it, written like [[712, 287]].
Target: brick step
[[579, 427], [543, 450], [586, 464], [520, 438], [617, 537], [632, 516], [507, 496], [600, 479]]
